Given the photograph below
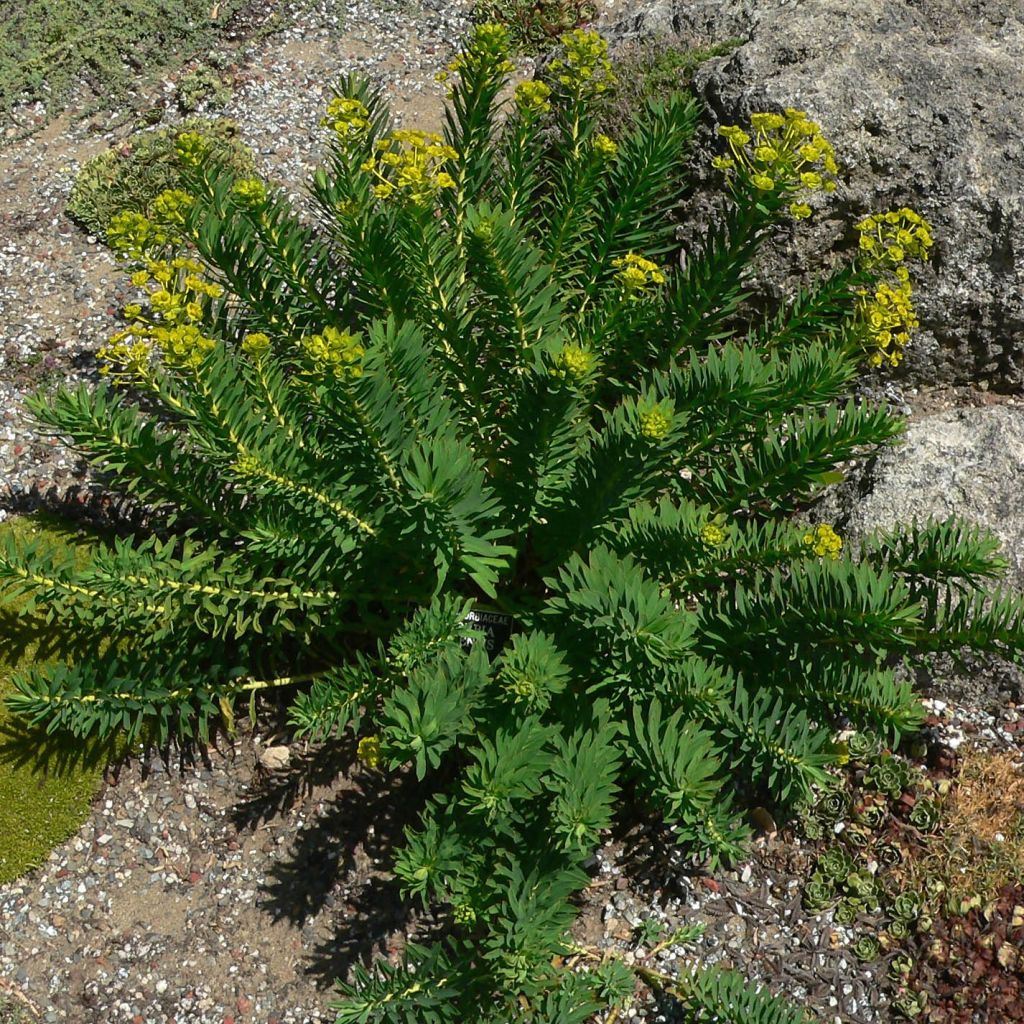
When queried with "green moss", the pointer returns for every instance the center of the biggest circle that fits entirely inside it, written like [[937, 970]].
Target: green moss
[[130, 177], [46, 786], [14, 1012]]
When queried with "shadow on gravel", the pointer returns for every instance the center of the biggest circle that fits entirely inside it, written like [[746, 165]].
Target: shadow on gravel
[[340, 860]]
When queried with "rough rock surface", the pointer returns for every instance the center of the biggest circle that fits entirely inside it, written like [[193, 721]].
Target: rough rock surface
[[922, 100], [963, 462]]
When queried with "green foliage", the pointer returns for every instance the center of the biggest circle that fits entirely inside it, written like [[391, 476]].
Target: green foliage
[[45, 787], [48, 46], [654, 68], [475, 381], [201, 86], [535, 25], [132, 175]]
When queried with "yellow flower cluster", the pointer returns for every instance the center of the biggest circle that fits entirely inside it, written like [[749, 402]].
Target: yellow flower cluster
[[410, 163], [786, 154], [655, 422], [712, 535], [256, 345], [176, 294], [637, 275], [895, 236], [824, 541], [532, 99], [191, 148], [605, 147], [348, 118], [334, 352], [887, 316], [585, 71], [134, 235], [250, 191], [575, 362], [171, 207], [368, 751], [487, 51]]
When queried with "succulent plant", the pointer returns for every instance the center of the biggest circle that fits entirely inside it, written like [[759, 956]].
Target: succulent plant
[[925, 815], [858, 837], [861, 746], [909, 1004], [847, 911], [812, 827], [819, 893], [898, 930], [901, 964], [888, 854], [872, 815], [835, 863], [907, 906], [889, 776], [867, 948], [832, 806], [860, 883]]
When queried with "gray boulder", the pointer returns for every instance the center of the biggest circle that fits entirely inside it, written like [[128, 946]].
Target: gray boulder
[[966, 462], [924, 102]]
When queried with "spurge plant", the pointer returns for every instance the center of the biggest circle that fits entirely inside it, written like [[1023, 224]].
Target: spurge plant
[[479, 388]]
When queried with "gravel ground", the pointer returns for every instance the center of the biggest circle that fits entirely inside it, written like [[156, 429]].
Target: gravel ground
[[219, 891]]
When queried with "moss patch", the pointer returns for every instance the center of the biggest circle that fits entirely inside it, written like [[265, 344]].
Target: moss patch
[[46, 785], [132, 175]]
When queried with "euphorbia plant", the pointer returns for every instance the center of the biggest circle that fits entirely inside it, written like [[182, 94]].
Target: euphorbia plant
[[479, 386]]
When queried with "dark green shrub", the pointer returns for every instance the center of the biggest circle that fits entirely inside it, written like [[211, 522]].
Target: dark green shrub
[[474, 394], [130, 176]]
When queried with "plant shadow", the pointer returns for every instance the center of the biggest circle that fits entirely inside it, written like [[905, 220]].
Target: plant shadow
[[337, 867]]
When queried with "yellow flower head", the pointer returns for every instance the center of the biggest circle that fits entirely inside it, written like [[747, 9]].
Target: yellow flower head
[[533, 98], [191, 148], [411, 165], [368, 751], [256, 345], [824, 541], [576, 361], [655, 421], [334, 352], [605, 147], [170, 208], [348, 118], [712, 535], [637, 275], [486, 52], [783, 153], [250, 191], [585, 71]]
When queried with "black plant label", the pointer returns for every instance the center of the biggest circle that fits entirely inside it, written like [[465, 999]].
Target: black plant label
[[492, 629]]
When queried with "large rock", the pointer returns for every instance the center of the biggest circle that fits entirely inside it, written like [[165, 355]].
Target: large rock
[[967, 463], [924, 102]]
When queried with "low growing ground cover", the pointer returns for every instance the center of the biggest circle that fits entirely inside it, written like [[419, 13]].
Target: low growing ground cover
[[45, 791]]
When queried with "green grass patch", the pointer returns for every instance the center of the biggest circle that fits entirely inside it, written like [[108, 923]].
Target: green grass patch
[[131, 175], [46, 784]]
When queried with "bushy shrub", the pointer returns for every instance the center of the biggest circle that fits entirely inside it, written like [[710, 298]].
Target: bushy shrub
[[131, 175], [481, 393]]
